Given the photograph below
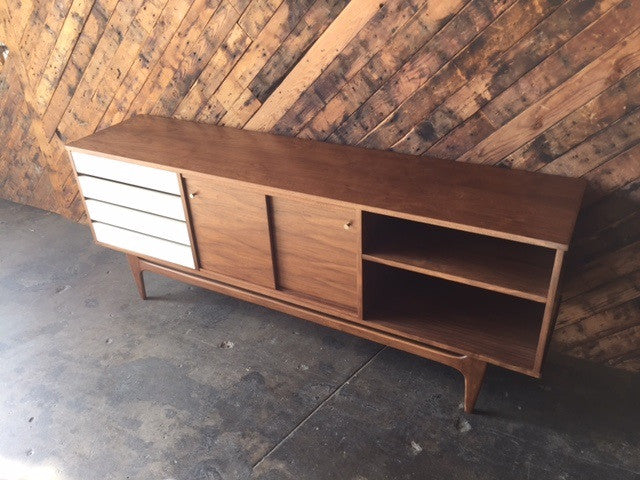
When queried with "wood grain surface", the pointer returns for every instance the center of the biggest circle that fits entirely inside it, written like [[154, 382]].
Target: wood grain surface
[[513, 204], [231, 231]]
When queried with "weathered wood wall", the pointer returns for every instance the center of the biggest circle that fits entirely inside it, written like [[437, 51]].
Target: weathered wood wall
[[548, 85]]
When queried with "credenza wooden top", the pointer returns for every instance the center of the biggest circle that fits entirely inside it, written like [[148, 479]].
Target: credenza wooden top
[[518, 205]]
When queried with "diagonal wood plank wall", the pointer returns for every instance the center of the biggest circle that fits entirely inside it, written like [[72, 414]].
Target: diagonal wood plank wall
[[548, 85]]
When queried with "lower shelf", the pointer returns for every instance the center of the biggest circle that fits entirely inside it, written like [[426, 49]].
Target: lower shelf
[[499, 328]]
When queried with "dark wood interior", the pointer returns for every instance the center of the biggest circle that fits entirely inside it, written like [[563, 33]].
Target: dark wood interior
[[510, 267], [496, 327]]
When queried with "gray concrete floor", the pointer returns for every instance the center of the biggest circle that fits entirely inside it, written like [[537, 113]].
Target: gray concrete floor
[[98, 384]]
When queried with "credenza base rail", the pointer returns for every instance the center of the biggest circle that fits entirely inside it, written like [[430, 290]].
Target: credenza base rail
[[472, 369]]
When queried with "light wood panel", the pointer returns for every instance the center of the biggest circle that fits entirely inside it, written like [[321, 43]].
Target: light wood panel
[[551, 85], [232, 232], [315, 247]]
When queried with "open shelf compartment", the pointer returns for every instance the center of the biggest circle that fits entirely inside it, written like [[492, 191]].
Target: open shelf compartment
[[504, 266], [499, 328]]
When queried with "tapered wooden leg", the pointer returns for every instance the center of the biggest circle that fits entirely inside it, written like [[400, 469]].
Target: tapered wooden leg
[[473, 372], [134, 263]]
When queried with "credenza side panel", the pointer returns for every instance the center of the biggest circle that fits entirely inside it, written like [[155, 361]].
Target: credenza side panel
[[316, 250], [231, 230]]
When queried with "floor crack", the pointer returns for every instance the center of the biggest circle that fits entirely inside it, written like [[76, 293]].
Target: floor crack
[[318, 407]]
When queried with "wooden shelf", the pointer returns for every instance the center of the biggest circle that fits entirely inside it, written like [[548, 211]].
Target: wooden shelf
[[494, 264], [494, 327]]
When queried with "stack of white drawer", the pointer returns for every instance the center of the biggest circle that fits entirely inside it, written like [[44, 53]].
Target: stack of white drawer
[[135, 208]]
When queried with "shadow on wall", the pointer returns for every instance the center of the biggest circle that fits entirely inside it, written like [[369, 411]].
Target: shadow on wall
[[599, 316]]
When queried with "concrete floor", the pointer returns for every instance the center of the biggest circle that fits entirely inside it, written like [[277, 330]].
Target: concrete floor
[[97, 384]]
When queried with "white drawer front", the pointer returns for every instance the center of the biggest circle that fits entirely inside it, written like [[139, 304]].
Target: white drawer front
[[125, 172], [132, 197], [144, 244], [142, 222]]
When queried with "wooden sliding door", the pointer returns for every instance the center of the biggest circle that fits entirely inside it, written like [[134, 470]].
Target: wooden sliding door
[[231, 231], [316, 250]]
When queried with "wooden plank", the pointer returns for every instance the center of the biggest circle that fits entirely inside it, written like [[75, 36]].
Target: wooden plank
[[258, 53], [598, 149], [196, 58], [598, 326], [556, 68], [198, 103], [609, 30], [611, 209], [101, 12], [19, 14], [631, 364], [374, 54], [306, 32], [611, 175], [69, 33], [481, 86], [55, 17], [609, 349], [623, 230], [27, 43], [605, 296], [383, 105], [244, 107], [150, 53], [40, 146], [241, 5], [5, 26], [510, 26], [603, 269], [580, 124], [354, 16], [102, 77], [190, 29], [256, 16], [610, 67]]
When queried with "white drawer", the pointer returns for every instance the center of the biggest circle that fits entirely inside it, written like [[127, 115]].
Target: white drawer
[[144, 244], [132, 197], [142, 222], [125, 172]]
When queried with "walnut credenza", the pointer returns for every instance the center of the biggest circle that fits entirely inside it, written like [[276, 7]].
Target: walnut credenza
[[458, 263]]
